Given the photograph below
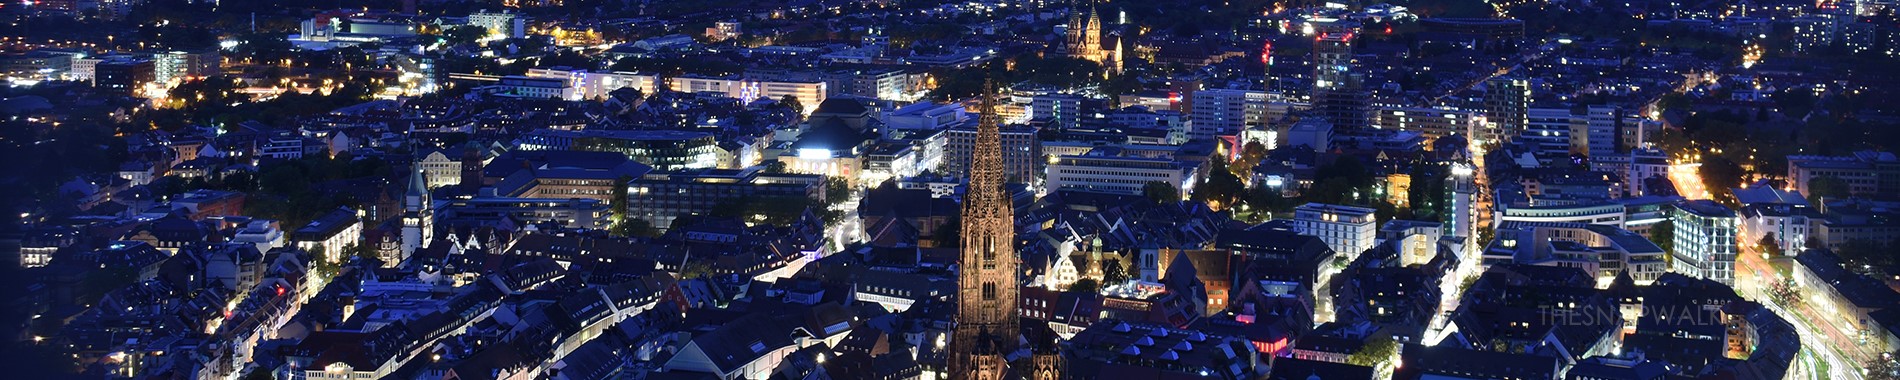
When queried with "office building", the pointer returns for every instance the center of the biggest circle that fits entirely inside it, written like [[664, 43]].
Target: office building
[[1507, 102], [1433, 122], [328, 235], [1866, 173], [1551, 130], [809, 94], [567, 212], [595, 85], [1347, 230], [181, 65], [1021, 151], [1604, 125], [1063, 111], [665, 150], [1705, 241], [1226, 112], [925, 116], [1109, 170], [1311, 131], [662, 196], [123, 77], [1602, 251], [500, 25], [559, 174], [1339, 91]]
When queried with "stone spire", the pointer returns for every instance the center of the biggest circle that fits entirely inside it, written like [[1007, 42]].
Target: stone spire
[[987, 322]]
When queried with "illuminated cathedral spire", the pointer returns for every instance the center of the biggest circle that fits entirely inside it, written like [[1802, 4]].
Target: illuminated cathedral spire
[[988, 283], [987, 324]]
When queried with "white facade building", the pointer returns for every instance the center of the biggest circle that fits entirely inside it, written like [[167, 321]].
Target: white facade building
[[1705, 241], [1107, 170], [589, 85], [1226, 111], [500, 25], [441, 170], [809, 94], [1348, 230]]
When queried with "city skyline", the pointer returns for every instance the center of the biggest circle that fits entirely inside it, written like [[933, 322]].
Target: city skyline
[[925, 189]]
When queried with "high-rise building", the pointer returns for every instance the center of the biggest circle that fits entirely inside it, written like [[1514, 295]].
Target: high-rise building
[[123, 77], [1222, 112], [1704, 241], [1339, 91], [1551, 129], [988, 283], [1506, 106], [1061, 110], [180, 65], [1459, 215], [1595, 131], [1603, 123], [1022, 151]]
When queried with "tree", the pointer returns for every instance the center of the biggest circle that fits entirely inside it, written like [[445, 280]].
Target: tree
[[1250, 156], [1885, 367], [359, 250], [1426, 195], [258, 374], [98, 282], [466, 34], [1664, 235], [792, 102], [1113, 272], [1265, 198], [695, 269], [1828, 187], [1345, 181], [1721, 176], [950, 234], [775, 167], [619, 208], [633, 227], [1865, 253], [1374, 354], [1769, 245], [1086, 285], [1160, 192], [324, 267], [1785, 291], [1221, 188], [1673, 101], [837, 190]]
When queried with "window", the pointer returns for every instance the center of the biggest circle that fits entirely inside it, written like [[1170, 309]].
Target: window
[[989, 253], [989, 291]]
